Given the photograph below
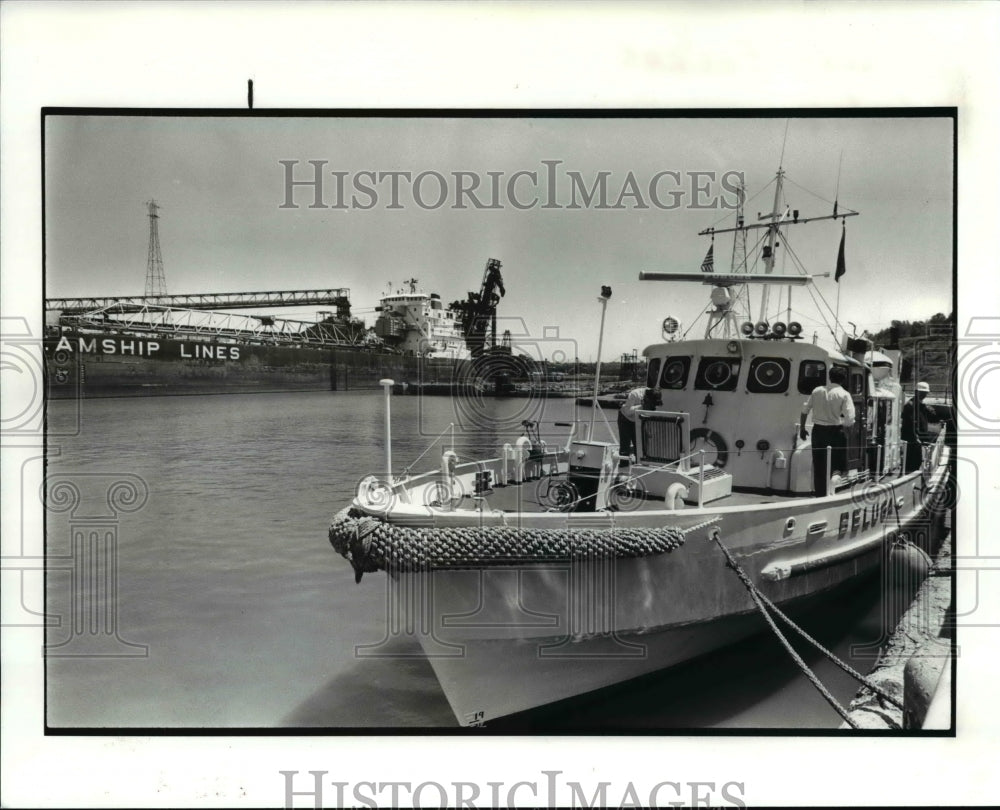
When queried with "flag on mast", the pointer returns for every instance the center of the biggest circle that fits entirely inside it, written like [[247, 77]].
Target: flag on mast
[[708, 265], [841, 266]]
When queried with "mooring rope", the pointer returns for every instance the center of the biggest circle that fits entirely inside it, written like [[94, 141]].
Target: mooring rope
[[756, 596], [874, 687]]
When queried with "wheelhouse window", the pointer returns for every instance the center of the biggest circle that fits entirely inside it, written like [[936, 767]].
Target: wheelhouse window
[[811, 374], [717, 374], [768, 375], [652, 372], [675, 372]]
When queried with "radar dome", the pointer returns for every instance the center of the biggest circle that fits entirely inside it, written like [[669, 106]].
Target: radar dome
[[881, 364]]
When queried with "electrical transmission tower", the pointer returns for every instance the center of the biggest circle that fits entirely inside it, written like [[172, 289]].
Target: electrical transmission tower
[[156, 283]]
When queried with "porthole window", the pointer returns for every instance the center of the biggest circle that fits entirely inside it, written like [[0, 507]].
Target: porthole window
[[811, 374], [768, 375], [717, 374], [675, 372]]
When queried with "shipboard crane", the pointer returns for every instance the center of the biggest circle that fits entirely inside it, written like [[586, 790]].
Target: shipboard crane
[[479, 310]]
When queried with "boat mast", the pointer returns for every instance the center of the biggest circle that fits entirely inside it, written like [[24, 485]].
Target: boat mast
[[738, 264], [772, 239]]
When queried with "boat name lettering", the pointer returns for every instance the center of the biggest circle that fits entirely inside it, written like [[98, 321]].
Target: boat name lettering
[[209, 352], [140, 347], [869, 517]]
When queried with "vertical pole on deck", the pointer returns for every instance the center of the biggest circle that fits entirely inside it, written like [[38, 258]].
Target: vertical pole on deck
[[829, 456], [605, 295], [387, 387], [701, 478]]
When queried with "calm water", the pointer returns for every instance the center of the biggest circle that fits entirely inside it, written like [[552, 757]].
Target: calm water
[[250, 619]]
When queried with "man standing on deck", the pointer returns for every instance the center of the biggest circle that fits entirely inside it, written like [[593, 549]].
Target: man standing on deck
[[638, 399], [832, 411], [913, 431]]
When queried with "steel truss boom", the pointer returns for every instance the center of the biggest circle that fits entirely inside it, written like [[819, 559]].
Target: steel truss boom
[[178, 322], [338, 297]]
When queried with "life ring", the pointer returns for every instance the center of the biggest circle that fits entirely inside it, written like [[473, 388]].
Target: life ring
[[714, 439]]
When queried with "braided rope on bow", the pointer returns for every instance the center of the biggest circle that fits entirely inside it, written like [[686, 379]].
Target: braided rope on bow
[[370, 544]]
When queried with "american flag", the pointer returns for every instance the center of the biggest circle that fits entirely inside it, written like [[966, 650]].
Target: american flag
[[708, 266]]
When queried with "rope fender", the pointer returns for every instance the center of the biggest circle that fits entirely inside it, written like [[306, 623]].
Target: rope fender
[[370, 544]]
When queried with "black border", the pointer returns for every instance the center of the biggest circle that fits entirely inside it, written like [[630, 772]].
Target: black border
[[501, 112]]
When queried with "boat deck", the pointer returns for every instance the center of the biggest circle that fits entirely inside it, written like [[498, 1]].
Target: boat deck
[[543, 495]]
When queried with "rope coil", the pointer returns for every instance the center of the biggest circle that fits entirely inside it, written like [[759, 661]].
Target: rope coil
[[370, 544]]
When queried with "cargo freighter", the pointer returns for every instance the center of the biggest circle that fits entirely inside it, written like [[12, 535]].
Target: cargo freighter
[[134, 347], [157, 345]]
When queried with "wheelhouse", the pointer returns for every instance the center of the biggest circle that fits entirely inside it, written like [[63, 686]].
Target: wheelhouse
[[743, 398]]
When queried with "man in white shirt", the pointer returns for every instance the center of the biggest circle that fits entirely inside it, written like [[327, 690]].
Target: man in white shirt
[[638, 399], [832, 411]]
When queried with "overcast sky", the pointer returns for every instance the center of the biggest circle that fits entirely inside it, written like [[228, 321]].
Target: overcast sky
[[222, 228]]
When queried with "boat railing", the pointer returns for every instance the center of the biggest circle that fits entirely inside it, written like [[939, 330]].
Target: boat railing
[[448, 430], [607, 424], [517, 464]]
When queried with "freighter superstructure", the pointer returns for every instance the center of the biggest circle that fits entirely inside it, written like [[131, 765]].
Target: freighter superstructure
[[418, 324]]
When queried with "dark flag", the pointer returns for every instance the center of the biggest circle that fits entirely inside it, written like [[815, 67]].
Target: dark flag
[[841, 267], [708, 266]]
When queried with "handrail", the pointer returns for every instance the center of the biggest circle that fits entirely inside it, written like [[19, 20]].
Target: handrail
[[408, 467], [610, 429]]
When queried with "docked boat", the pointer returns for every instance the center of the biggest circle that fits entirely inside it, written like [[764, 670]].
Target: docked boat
[[549, 571]]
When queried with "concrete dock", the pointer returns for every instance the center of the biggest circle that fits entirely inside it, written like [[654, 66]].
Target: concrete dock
[[915, 664]]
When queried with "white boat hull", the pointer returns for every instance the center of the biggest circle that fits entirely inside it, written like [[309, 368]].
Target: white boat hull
[[498, 677], [504, 639]]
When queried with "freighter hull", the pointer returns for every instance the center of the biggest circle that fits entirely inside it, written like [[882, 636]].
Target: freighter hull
[[82, 365]]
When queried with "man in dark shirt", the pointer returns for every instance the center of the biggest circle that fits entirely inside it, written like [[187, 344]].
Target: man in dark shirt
[[915, 417]]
